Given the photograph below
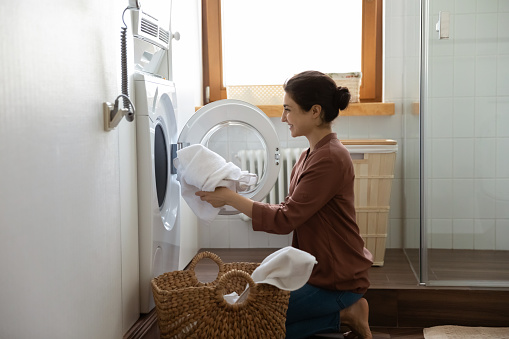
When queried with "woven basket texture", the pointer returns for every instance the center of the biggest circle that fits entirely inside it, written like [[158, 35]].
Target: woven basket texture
[[188, 308], [351, 80], [257, 94]]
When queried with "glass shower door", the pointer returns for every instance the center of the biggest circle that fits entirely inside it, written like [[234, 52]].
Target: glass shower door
[[464, 140], [410, 145]]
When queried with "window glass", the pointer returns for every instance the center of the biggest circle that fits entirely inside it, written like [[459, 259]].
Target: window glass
[[266, 41]]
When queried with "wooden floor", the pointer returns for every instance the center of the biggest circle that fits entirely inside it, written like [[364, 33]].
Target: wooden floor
[[383, 333], [399, 306], [461, 265], [396, 272]]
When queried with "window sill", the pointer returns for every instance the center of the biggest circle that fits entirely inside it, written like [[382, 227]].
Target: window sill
[[354, 109]]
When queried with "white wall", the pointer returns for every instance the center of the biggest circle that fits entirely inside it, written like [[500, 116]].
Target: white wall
[[60, 242], [128, 191]]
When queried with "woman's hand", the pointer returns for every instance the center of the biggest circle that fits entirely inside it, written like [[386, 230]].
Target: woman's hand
[[218, 198], [224, 196]]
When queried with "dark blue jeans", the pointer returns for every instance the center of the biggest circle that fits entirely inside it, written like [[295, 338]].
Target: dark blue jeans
[[313, 310]]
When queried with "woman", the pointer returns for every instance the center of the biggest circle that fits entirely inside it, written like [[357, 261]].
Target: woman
[[319, 209]]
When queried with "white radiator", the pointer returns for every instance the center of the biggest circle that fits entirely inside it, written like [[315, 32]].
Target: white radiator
[[254, 162]]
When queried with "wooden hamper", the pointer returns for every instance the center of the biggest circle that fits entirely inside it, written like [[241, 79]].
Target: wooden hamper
[[373, 162]]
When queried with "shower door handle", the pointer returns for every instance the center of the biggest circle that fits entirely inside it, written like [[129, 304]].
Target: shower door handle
[[443, 24]]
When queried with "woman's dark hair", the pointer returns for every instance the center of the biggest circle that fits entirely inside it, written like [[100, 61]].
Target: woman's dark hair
[[315, 88]]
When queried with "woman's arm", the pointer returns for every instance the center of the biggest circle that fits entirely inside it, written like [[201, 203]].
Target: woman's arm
[[224, 196]]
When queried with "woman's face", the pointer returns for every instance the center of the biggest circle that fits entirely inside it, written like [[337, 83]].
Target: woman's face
[[299, 121]]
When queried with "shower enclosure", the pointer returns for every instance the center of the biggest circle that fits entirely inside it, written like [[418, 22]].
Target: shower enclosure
[[456, 142]]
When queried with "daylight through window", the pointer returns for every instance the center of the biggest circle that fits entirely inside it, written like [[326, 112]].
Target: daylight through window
[[266, 41]]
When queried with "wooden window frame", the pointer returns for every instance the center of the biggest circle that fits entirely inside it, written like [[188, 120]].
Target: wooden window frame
[[371, 54]]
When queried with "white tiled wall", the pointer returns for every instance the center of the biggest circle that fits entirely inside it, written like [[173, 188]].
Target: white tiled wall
[[468, 127], [402, 88], [467, 131]]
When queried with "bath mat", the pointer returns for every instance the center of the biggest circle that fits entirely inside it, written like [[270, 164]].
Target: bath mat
[[464, 332]]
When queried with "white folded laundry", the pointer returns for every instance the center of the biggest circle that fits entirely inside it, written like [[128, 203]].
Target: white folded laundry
[[200, 169]]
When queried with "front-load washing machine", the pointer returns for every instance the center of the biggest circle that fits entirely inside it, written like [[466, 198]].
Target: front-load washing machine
[[231, 128], [158, 188]]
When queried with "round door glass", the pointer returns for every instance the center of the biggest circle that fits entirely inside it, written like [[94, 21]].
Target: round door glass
[[160, 164], [241, 144], [168, 188], [242, 134]]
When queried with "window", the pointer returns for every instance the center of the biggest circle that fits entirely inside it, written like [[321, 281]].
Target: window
[[371, 51], [280, 38]]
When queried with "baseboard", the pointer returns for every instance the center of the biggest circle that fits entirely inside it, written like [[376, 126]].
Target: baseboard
[[143, 327]]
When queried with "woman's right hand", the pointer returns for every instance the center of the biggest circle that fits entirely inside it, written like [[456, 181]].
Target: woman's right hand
[[224, 196], [216, 198]]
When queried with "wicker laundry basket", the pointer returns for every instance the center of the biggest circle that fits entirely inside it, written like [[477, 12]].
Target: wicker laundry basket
[[350, 80], [187, 308]]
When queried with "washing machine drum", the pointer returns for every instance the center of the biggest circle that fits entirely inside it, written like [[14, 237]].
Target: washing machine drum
[[242, 134]]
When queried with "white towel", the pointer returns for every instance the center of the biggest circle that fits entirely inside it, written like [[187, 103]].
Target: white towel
[[288, 269], [200, 169]]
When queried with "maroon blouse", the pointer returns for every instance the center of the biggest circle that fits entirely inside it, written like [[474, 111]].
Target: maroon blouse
[[320, 211]]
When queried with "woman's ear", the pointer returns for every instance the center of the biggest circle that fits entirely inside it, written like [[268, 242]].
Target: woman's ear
[[316, 110]]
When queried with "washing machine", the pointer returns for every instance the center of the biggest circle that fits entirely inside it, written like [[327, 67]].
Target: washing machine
[[158, 188], [228, 127]]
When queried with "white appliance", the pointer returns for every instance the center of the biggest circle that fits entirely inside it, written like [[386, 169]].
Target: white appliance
[[156, 132], [227, 127], [158, 189], [151, 21]]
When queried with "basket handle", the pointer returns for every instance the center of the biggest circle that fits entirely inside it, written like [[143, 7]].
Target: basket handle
[[213, 257], [251, 290]]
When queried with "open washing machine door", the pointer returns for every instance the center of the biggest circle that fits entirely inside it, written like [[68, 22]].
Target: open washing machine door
[[240, 133]]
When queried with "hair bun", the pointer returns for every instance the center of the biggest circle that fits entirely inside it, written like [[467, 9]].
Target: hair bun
[[342, 97]]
